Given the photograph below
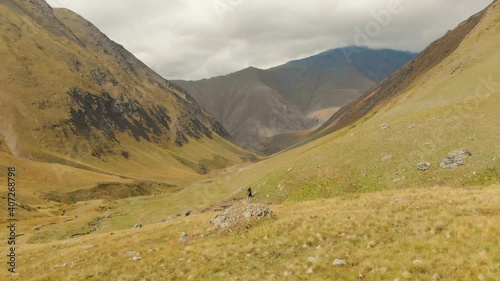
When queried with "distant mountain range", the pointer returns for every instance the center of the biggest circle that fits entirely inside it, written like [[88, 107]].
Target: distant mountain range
[[255, 105]]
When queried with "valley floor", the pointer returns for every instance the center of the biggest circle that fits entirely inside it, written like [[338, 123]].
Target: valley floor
[[439, 233]]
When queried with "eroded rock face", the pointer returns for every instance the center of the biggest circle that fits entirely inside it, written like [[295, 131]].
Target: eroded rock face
[[110, 115], [455, 158], [240, 214]]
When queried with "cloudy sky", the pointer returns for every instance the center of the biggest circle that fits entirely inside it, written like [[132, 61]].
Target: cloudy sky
[[194, 39]]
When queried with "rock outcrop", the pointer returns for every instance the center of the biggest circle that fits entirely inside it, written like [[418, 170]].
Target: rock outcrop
[[455, 158], [240, 214]]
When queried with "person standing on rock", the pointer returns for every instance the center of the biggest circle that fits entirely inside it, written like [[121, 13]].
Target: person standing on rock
[[249, 194]]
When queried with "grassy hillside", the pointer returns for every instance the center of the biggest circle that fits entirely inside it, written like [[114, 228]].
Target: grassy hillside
[[414, 234]]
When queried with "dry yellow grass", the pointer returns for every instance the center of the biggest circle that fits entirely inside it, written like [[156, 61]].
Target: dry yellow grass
[[413, 234]]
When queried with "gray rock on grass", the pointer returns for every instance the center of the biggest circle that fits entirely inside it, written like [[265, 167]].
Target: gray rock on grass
[[240, 214], [312, 260], [455, 158], [184, 238], [423, 166], [386, 158], [338, 262]]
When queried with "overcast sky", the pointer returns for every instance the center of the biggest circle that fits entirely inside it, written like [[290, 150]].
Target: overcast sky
[[194, 39]]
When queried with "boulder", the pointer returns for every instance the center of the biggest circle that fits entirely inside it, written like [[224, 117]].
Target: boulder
[[171, 218], [184, 238], [240, 214], [386, 158], [455, 158], [312, 260], [423, 166], [339, 262], [187, 212]]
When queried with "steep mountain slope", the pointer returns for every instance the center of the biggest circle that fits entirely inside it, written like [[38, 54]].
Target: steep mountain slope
[[72, 96], [255, 105], [310, 82], [250, 110], [402, 79]]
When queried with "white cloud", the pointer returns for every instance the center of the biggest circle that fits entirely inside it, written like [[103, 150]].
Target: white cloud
[[193, 39]]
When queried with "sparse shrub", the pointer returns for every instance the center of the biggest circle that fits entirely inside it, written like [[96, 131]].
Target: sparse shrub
[[125, 154]]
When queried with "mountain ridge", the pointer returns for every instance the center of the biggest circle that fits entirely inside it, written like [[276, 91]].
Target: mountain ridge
[[297, 95]]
